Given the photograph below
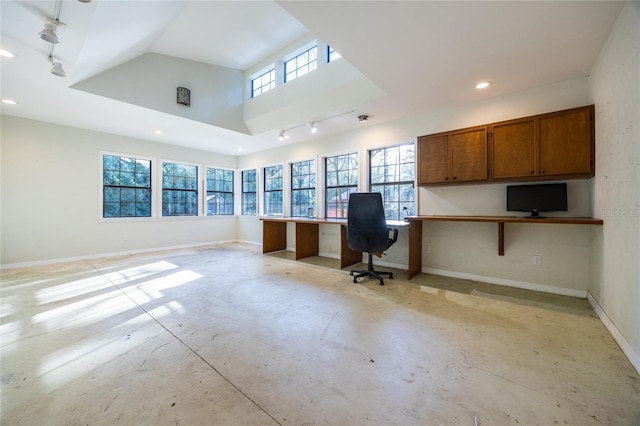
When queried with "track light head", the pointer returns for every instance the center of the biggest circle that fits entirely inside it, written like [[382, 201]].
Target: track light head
[[362, 118], [57, 69], [313, 127], [283, 135], [49, 34]]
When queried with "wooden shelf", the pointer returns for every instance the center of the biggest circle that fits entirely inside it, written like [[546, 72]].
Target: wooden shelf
[[415, 230]]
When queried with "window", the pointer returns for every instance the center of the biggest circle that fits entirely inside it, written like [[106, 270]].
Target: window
[[263, 83], [179, 190], [249, 202], [273, 190], [393, 175], [332, 55], [126, 187], [301, 64], [219, 191], [303, 188], [341, 180]]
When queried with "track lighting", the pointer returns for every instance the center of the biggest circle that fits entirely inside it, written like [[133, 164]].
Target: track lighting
[[283, 135], [57, 69], [362, 118], [49, 34], [313, 127]]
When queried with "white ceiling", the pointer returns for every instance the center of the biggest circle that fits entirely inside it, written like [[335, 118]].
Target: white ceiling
[[423, 54]]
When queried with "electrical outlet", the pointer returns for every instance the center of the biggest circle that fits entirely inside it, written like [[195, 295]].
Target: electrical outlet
[[427, 249], [537, 260], [126, 237]]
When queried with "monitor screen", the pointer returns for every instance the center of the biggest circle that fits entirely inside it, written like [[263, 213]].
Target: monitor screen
[[549, 197]]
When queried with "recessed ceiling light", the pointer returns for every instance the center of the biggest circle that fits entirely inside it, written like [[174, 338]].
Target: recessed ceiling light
[[240, 149], [5, 53], [9, 102], [157, 132], [483, 85]]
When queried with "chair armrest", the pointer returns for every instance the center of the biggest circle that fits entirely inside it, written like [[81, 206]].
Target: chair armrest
[[395, 236]]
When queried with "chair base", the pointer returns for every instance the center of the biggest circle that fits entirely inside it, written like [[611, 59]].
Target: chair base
[[370, 272]]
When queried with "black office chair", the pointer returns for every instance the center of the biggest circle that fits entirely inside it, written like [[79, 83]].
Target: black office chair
[[367, 231]]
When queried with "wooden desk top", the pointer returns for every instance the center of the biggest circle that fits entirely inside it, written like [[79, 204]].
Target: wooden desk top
[[396, 223], [509, 219]]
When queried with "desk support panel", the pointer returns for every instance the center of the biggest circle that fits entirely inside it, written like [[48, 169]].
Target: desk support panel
[[307, 240], [274, 236]]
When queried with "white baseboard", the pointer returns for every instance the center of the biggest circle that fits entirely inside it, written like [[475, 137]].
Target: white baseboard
[[329, 255], [253, 243], [112, 254], [634, 358], [509, 283]]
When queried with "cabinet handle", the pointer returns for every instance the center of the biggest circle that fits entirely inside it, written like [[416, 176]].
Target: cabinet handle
[[447, 178], [541, 170], [530, 172], [454, 178]]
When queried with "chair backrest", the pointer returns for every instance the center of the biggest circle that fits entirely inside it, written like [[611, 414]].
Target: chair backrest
[[366, 224]]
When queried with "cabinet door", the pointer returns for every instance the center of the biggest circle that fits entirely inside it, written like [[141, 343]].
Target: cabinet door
[[566, 143], [433, 159], [513, 149], [468, 154]]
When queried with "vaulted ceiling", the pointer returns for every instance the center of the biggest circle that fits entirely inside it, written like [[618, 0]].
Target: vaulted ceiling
[[420, 55]]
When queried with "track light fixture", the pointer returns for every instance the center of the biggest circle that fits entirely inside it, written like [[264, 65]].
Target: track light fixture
[[283, 135], [313, 125], [49, 34], [56, 68], [362, 118]]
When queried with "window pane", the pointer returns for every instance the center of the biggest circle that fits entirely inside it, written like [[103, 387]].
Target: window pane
[[273, 190], [342, 180], [249, 196], [179, 189], [392, 172], [219, 191], [120, 178]]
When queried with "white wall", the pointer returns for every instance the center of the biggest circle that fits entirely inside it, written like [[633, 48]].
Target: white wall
[[470, 250], [51, 188], [614, 88]]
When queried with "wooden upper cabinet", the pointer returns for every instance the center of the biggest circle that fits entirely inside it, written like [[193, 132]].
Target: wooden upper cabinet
[[513, 149], [468, 154], [555, 145], [566, 143], [458, 156], [433, 159]]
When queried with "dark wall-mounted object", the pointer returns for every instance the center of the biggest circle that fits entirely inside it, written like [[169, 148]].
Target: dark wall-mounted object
[[183, 96]]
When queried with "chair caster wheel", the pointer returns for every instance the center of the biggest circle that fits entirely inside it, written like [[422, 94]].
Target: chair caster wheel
[[351, 273], [391, 276], [381, 282], [355, 281]]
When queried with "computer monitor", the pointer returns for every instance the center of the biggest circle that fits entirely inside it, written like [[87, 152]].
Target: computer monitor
[[549, 197]]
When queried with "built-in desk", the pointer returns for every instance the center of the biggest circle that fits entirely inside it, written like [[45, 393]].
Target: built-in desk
[[415, 231], [274, 237]]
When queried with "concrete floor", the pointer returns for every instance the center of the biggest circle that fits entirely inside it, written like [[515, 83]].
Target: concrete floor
[[228, 336]]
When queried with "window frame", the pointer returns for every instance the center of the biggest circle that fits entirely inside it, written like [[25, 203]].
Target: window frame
[[207, 192], [197, 190], [307, 64], [383, 185], [311, 189], [327, 187], [151, 187], [267, 193], [329, 51], [243, 192], [272, 83]]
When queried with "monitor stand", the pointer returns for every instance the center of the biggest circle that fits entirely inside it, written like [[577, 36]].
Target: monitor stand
[[535, 215]]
